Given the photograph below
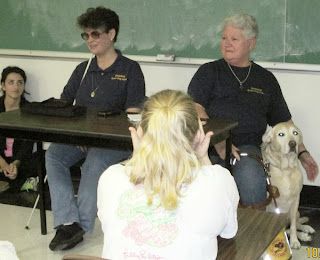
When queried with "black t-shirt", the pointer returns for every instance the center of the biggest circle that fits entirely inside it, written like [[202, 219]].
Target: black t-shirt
[[259, 103], [119, 87]]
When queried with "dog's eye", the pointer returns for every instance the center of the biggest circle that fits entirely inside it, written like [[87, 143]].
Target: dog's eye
[[295, 133], [281, 134]]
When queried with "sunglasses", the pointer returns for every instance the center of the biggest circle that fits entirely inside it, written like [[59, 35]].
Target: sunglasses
[[93, 34]]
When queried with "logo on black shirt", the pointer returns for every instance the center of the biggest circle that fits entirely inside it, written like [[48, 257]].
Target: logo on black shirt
[[119, 77], [256, 90]]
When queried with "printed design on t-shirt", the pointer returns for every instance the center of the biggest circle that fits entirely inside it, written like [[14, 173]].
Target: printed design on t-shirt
[[256, 90], [119, 77], [151, 225], [143, 254]]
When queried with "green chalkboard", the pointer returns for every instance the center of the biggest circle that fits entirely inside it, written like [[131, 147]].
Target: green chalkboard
[[187, 28], [303, 33]]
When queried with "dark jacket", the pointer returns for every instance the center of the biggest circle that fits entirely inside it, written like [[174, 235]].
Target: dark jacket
[[22, 149]]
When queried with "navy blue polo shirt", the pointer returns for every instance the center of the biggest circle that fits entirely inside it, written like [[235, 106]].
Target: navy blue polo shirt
[[119, 87], [259, 103]]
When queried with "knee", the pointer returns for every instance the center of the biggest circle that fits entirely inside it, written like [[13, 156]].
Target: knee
[[103, 158], [56, 155], [94, 167], [51, 152], [251, 182], [250, 174]]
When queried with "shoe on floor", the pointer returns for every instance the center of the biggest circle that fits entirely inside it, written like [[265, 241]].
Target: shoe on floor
[[30, 184], [4, 185], [67, 237]]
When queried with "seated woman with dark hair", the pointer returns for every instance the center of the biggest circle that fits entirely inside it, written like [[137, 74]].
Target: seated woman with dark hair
[[169, 201], [16, 160]]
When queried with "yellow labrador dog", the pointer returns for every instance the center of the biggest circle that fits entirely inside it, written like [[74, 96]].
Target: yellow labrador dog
[[279, 148]]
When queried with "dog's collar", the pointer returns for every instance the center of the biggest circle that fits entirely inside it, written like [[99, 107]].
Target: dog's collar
[[267, 167]]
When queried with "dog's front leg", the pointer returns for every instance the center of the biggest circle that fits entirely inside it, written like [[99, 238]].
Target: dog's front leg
[[294, 242]]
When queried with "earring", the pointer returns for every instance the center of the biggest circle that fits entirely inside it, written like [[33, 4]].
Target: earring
[[111, 40]]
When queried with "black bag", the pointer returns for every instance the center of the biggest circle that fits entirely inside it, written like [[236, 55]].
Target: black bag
[[54, 107]]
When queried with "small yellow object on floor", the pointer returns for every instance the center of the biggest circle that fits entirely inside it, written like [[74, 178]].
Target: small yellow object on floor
[[279, 249]]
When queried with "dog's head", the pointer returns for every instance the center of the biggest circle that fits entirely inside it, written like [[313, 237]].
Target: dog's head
[[280, 141], [284, 137]]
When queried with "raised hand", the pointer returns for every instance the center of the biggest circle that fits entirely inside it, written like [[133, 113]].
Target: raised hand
[[201, 143]]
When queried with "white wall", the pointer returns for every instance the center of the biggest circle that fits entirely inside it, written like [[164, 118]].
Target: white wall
[[301, 89]]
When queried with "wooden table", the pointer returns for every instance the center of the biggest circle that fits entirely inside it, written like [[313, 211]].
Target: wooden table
[[257, 229], [89, 130]]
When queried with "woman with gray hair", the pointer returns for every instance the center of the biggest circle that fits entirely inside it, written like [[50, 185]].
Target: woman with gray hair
[[236, 88]]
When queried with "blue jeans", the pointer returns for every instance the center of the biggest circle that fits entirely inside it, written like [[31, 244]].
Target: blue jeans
[[65, 208], [249, 176]]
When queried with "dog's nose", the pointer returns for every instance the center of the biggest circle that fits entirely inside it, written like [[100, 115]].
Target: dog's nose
[[292, 145]]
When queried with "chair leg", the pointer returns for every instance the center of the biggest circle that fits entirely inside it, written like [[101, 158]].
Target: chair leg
[[35, 205]]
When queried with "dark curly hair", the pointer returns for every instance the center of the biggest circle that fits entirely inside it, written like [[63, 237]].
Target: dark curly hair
[[100, 17]]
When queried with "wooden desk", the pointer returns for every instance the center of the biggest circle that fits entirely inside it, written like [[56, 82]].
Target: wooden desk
[[88, 130], [257, 229]]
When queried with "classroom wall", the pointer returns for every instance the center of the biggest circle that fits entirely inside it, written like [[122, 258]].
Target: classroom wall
[[47, 77]]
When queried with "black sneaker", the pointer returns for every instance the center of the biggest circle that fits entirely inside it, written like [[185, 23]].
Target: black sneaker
[[67, 237]]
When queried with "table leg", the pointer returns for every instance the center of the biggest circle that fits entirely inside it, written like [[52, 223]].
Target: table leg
[[41, 170], [228, 152]]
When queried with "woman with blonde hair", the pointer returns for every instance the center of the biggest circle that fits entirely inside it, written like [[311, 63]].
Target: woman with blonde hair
[[168, 202]]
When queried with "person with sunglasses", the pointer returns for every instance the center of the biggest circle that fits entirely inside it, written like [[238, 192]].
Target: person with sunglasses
[[109, 81]]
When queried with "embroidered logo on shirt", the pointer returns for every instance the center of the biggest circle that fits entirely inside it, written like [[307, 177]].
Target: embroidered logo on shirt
[[119, 77], [152, 225], [256, 90]]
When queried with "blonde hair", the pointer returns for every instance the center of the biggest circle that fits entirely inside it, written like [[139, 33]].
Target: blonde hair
[[165, 158]]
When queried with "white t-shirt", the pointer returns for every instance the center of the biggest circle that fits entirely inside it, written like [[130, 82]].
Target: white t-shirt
[[135, 231]]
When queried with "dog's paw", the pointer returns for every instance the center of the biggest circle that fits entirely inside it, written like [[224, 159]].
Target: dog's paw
[[294, 243], [306, 229], [303, 220], [304, 236]]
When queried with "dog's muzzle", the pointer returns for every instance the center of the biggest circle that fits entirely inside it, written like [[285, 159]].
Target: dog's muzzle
[[292, 145]]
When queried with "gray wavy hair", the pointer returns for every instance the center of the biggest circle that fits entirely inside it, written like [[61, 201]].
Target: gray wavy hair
[[244, 22]]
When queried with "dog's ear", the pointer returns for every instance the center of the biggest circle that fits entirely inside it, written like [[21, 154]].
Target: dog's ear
[[267, 137]]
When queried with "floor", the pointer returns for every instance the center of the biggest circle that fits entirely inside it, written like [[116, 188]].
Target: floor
[[30, 244]]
